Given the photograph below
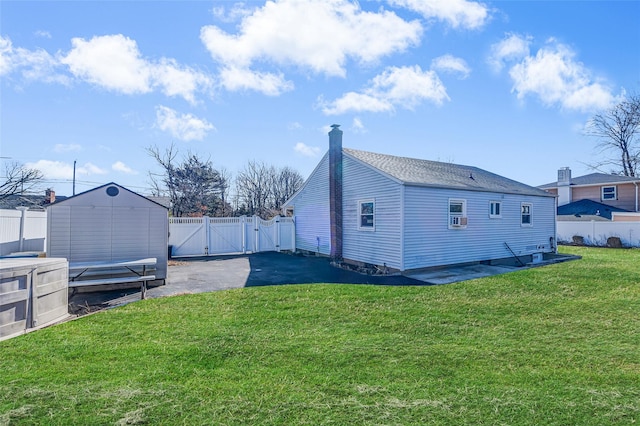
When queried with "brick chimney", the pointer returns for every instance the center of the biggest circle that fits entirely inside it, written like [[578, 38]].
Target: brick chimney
[[335, 191], [564, 186], [49, 196]]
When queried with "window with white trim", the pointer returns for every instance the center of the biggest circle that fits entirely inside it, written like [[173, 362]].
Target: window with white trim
[[457, 213], [526, 214], [366, 212], [495, 209], [609, 193]]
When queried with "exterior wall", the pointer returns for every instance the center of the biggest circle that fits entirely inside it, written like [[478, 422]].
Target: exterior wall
[[96, 227], [311, 210], [383, 245], [626, 195], [428, 241]]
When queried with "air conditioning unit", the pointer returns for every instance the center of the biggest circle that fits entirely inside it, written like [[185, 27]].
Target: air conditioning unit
[[458, 221]]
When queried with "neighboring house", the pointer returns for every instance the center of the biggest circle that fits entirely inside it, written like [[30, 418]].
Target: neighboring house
[[108, 223], [407, 213], [33, 202], [618, 192]]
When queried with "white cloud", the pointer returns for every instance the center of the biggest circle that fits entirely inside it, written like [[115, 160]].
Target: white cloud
[[355, 102], [33, 64], [512, 48], [315, 35], [111, 61], [457, 13], [185, 127], [115, 63], [357, 126], [306, 150], [61, 170], [404, 87], [232, 14], [90, 169], [294, 126], [555, 77], [175, 80], [119, 166], [42, 34], [452, 65], [71, 147], [234, 78]]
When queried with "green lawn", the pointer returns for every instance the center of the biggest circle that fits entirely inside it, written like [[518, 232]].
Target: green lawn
[[553, 345]]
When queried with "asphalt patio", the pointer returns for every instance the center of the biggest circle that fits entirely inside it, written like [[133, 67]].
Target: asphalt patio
[[207, 274]]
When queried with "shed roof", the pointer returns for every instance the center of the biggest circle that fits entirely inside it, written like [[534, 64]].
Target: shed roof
[[106, 185], [594, 179], [412, 171]]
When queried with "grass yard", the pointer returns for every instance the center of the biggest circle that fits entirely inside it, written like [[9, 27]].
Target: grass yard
[[558, 345]]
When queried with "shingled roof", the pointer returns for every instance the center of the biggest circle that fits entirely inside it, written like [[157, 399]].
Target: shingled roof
[[594, 179], [588, 208], [412, 171]]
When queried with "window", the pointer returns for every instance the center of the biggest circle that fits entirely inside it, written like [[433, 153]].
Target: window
[[609, 193], [457, 214], [525, 217], [495, 209], [366, 211]]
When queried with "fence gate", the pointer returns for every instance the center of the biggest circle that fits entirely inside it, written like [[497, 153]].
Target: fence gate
[[206, 236]]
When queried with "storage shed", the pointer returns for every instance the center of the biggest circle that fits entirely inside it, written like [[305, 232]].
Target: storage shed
[[109, 224], [407, 213]]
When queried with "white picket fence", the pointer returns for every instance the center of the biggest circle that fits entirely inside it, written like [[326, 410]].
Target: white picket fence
[[208, 236], [596, 233], [22, 230]]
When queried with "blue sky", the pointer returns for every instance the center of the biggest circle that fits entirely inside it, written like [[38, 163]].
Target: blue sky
[[506, 86]]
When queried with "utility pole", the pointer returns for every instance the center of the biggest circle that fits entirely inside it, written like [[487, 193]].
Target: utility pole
[[74, 177]]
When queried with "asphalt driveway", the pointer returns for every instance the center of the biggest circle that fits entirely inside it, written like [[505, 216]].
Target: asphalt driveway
[[206, 274]]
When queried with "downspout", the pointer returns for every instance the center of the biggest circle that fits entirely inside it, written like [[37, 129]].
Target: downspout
[[402, 247], [636, 185]]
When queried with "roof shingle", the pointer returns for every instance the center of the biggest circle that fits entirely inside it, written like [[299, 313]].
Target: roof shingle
[[412, 171]]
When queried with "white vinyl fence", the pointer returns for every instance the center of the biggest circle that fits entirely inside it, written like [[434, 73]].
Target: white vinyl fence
[[596, 233], [22, 230], [207, 236]]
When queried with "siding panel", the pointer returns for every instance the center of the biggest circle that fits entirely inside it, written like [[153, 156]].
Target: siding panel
[[383, 245], [311, 210], [429, 242]]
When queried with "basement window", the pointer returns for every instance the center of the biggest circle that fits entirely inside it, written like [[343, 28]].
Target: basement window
[[609, 193], [366, 209], [525, 217]]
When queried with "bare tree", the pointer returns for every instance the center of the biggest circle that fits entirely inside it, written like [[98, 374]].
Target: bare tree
[[194, 187], [253, 189], [19, 179], [286, 181], [617, 130], [263, 189]]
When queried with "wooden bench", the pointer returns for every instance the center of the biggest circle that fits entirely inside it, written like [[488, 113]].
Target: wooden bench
[[136, 270]]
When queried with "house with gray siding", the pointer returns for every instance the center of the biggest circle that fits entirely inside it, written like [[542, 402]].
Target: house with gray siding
[[406, 213]]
